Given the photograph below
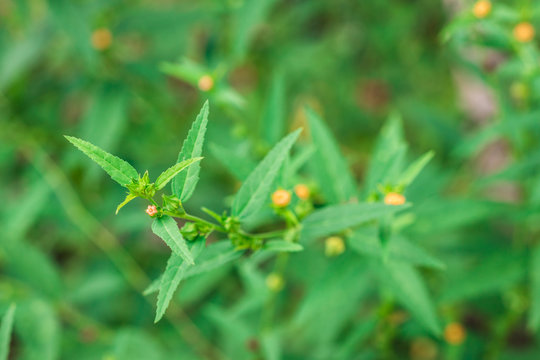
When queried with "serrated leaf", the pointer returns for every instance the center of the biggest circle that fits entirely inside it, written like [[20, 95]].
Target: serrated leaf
[[534, 275], [129, 197], [410, 290], [255, 191], [167, 229], [171, 172], [282, 245], [174, 273], [214, 256], [408, 176], [119, 170], [333, 219], [184, 184], [5, 332], [336, 180]]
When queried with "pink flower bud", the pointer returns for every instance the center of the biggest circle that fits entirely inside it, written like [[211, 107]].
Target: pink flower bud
[[151, 210]]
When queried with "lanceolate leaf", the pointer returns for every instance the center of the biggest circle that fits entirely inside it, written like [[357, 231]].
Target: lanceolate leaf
[[184, 183], [119, 170], [334, 219], [409, 288], [255, 191], [166, 228], [174, 273], [214, 256], [128, 198], [385, 163], [414, 169], [5, 332], [171, 172], [336, 181]]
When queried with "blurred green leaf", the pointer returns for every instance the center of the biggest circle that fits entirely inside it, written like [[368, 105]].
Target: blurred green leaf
[[410, 290], [335, 179], [534, 275], [38, 329], [273, 121], [334, 219], [282, 245], [134, 344], [5, 332]]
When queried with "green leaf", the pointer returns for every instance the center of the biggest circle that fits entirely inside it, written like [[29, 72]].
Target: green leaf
[[129, 197], [119, 170], [408, 176], [333, 219], [171, 172], [274, 112], [367, 242], [5, 332], [213, 257], [174, 273], [135, 344], [239, 165], [184, 184], [386, 162], [409, 288], [335, 178], [38, 329], [534, 274], [167, 229], [282, 245], [255, 191]]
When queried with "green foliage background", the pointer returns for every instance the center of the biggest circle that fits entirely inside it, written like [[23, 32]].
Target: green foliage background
[[387, 82]]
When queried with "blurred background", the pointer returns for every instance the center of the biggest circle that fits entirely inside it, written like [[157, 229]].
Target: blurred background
[[130, 77]]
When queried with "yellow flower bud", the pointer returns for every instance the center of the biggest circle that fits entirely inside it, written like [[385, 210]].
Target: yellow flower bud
[[101, 39], [206, 83], [454, 333], [524, 32], [334, 246], [481, 9], [302, 191], [394, 198], [281, 198], [275, 282]]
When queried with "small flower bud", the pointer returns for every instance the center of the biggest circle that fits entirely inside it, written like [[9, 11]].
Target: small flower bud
[[481, 9], [281, 198], [334, 246], [101, 39], [454, 333], [151, 210], [302, 191], [275, 282], [524, 32], [206, 83], [393, 198]]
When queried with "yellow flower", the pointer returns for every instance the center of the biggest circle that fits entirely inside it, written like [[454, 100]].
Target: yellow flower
[[206, 83], [454, 333], [302, 191]]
